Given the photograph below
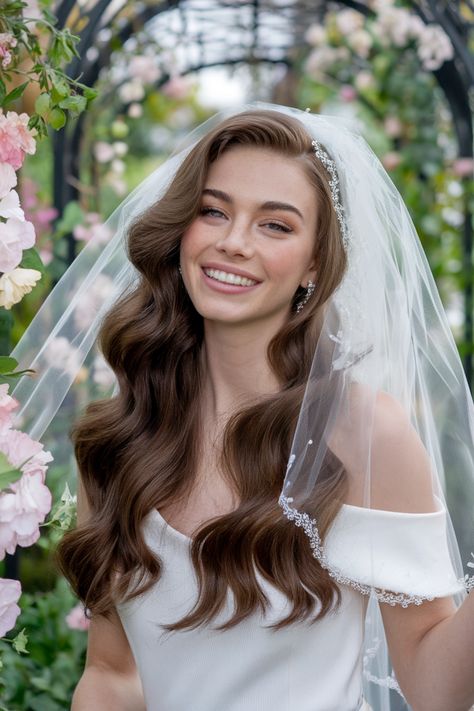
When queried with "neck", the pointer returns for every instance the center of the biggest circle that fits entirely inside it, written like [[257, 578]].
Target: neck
[[236, 369]]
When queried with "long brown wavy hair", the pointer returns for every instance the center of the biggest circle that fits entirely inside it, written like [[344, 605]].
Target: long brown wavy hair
[[139, 450]]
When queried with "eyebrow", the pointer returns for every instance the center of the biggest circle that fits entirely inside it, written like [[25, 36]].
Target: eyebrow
[[269, 205]]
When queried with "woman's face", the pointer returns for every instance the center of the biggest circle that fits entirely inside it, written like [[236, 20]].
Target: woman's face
[[251, 246]]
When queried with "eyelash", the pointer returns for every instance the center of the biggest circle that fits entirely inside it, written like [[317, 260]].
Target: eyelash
[[207, 210]]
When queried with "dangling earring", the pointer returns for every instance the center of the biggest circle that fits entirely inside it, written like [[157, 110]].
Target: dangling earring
[[309, 292], [179, 269]]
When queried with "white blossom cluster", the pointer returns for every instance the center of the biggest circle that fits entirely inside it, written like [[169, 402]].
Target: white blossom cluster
[[393, 26]]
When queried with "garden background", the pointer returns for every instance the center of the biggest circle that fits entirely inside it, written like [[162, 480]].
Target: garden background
[[93, 96]]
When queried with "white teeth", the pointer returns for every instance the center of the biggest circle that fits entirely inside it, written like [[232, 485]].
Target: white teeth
[[229, 278]]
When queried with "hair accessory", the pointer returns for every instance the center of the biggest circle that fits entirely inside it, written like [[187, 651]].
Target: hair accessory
[[334, 185], [309, 292]]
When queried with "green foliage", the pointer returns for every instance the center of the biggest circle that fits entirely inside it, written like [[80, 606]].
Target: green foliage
[[45, 678], [61, 95]]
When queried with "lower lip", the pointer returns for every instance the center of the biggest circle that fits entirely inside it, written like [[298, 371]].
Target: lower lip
[[225, 288]]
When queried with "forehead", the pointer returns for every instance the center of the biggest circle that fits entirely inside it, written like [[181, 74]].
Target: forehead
[[259, 174]]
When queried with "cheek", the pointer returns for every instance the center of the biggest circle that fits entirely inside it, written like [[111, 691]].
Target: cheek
[[287, 263]]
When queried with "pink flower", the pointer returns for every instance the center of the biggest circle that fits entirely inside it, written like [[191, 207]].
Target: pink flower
[[391, 160], [15, 236], [7, 405], [347, 93], [22, 511], [177, 87], [10, 591], [7, 42], [464, 167], [76, 618], [393, 126], [16, 138], [8, 179], [93, 228]]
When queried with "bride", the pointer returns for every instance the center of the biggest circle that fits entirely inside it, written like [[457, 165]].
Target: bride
[[281, 359]]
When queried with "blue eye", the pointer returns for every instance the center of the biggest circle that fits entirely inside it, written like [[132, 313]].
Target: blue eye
[[281, 228], [207, 210]]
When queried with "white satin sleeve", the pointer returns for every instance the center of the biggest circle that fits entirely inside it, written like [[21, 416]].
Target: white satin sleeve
[[401, 552]]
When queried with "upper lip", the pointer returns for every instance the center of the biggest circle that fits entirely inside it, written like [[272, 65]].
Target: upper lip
[[230, 269]]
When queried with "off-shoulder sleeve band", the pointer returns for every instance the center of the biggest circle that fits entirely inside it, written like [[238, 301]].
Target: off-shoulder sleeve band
[[401, 552]]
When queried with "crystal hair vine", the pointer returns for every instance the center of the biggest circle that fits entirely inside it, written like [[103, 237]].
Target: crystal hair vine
[[330, 166]]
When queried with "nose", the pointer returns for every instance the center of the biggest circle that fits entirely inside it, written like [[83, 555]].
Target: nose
[[236, 240]]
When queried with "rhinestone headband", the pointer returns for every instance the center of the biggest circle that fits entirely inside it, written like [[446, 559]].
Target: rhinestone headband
[[330, 166]]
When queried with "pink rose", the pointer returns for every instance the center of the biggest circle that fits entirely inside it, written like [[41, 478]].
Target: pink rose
[[16, 139], [76, 618], [22, 511], [391, 160], [10, 591], [347, 93], [464, 167]]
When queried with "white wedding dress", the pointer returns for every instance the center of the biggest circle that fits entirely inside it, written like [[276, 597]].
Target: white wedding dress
[[299, 668]]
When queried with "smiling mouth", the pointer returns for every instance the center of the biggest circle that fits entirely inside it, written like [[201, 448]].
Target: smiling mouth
[[228, 277]]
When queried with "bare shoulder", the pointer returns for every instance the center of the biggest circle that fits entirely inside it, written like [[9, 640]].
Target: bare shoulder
[[376, 432]]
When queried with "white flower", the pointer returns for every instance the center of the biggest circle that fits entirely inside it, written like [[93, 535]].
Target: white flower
[[120, 148], [118, 166], [364, 80], [361, 42], [144, 68], [103, 152], [8, 178], [15, 284], [15, 236], [320, 60], [135, 110], [315, 35], [349, 21], [10, 206], [131, 91], [434, 47], [62, 355], [103, 375]]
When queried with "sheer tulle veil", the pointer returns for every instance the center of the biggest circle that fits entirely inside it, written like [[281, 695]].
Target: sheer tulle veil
[[384, 343]]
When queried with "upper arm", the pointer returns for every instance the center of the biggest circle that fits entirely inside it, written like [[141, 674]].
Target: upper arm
[[108, 645]]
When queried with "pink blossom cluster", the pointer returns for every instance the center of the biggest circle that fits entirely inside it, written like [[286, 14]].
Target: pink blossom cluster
[[24, 505], [16, 139], [16, 232], [7, 43]]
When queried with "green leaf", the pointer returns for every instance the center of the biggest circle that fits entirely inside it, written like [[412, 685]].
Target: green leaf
[[9, 477], [3, 91], [7, 364], [72, 216], [76, 104], [60, 89], [57, 118], [43, 104], [32, 260], [15, 94], [19, 642]]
